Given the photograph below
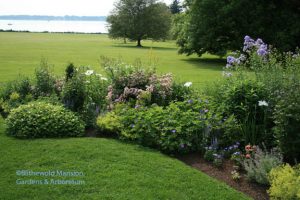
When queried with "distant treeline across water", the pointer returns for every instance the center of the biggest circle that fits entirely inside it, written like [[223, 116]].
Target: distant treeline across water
[[48, 18]]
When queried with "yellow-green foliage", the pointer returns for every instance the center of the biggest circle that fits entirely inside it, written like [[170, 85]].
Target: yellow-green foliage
[[285, 182], [14, 96], [109, 123]]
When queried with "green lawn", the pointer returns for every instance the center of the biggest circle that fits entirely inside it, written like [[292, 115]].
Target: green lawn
[[113, 170], [20, 53]]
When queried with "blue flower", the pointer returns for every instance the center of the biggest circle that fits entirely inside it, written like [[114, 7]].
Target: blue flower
[[173, 131], [137, 106], [231, 60], [259, 41], [190, 101], [247, 38], [262, 52]]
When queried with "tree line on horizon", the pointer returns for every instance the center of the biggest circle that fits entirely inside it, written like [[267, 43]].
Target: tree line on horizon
[[48, 17]]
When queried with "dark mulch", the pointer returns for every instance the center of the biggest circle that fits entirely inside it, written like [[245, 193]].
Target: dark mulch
[[91, 133], [253, 190]]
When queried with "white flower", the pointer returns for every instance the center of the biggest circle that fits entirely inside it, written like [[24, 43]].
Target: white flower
[[89, 72], [99, 75], [188, 84], [262, 103], [227, 74], [103, 78]]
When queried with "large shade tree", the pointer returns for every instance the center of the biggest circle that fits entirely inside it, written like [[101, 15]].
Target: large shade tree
[[216, 26], [139, 19]]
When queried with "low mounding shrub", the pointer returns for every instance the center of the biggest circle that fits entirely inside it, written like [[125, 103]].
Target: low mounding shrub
[[260, 164], [285, 183], [178, 128], [109, 124], [21, 85], [41, 120], [13, 94]]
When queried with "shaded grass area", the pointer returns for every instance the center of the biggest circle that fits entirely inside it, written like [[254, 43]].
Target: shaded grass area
[[113, 170], [20, 53]]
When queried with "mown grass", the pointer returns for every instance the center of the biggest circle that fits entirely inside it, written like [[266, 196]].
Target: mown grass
[[113, 170], [20, 53]]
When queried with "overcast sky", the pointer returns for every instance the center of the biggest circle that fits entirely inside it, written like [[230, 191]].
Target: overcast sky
[[58, 7]]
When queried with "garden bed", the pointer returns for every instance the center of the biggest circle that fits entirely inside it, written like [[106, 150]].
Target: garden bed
[[224, 174]]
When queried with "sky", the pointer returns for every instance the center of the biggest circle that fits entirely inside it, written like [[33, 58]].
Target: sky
[[58, 7]]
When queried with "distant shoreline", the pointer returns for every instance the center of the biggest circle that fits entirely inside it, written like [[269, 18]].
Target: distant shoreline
[[53, 18], [69, 32]]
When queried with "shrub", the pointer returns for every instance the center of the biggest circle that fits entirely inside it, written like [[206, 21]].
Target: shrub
[[109, 124], [45, 80], [180, 127], [285, 182], [287, 120], [85, 93], [245, 106], [40, 120], [70, 71], [209, 154], [260, 164], [13, 94], [21, 85], [242, 100], [141, 85]]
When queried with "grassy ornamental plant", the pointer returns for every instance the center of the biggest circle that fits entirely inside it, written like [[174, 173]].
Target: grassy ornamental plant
[[42, 120]]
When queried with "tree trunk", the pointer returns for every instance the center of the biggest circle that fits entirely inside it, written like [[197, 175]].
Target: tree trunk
[[124, 40], [139, 43]]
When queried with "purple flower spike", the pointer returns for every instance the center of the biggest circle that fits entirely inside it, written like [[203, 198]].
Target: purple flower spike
[[247, 38], [259, 41], [261, 52], [231, 60]]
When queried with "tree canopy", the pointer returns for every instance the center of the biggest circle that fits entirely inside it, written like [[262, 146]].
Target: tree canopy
[[216, 26], [139, 19], [175, 7]]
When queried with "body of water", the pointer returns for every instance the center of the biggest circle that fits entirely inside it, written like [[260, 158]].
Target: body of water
[[54, 26]]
